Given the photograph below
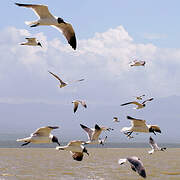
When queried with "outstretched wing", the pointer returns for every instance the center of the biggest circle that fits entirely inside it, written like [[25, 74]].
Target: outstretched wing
[[31, 40], [133, 102], [88, 131], [41, 11], [44, 131], [137, 122], [57, 77], [68, 32], [153, 144], [137, 165], [147, 100]]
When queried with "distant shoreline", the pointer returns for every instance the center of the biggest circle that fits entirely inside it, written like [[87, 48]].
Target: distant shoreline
[[14, 144]]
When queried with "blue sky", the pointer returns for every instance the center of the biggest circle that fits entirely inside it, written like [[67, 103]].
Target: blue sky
[[109, 35]]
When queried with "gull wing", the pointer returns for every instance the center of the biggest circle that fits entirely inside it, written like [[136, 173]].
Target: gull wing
[[76, 103], [147, 100], [41, 11], [83, 103], [44, 131], [75, 143], [88, 131], [137, 165], [68, 32], [153, 144], [137, 122], [57, 77], [31, 40], [133, 102]]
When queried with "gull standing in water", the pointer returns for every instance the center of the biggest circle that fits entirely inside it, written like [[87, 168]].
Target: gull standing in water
[[138, 125], [94, 133], [47, 19], [136, 165], [76, 103], [31, 42], [62, 83], [154, 146], [76, 149], [41, 135], [139, 105]]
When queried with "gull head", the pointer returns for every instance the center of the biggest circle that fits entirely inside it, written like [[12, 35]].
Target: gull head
[[55, 140]]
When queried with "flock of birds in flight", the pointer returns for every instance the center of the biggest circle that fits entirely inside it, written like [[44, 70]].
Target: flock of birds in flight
[[76, 147]]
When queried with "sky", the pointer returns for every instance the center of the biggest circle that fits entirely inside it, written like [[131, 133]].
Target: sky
[[109, 35]]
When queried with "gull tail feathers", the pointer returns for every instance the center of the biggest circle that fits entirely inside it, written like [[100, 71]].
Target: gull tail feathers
[[29, 23], [23, 140]]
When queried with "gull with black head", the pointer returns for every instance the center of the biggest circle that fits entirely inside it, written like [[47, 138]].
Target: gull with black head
[[40, 136], [76, 149], [31, 42], [47, 19], [139, 125]]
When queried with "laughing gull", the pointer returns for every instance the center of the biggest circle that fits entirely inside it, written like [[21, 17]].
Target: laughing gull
[[139, 105], [41, 135], [138, 125], [136, 165], [76, 103], [94, 133], [62, 83], [154, 146], [31, 42], [46, 18], [137, 63], [76, 149], [115, 119]]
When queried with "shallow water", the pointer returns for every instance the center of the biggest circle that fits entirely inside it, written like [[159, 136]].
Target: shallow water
[[50, 164]]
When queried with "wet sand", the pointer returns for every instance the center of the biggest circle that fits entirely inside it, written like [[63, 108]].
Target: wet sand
[[50, 164]]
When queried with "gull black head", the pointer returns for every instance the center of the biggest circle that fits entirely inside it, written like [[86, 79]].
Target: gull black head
[[39, 44], [85, 151], [55, 140], [60, 20], [153, 130]]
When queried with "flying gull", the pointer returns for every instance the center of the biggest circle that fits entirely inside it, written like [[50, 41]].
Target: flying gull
[[136, 165], [62, 83], [139, 105], [154, 146], [76, 103], [137, 63], [31, 42], [140, 97], [47, 19], [76, 149], [115, 119], [94, 133], [41, 135], [138, 125]]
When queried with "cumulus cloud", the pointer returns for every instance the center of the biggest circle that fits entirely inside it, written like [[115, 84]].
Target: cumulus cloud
[[102, 60]]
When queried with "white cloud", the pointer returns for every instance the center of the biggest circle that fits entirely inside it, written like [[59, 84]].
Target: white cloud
[[102, 60]]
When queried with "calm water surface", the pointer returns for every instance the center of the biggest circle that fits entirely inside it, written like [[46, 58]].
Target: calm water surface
[[49, 164]]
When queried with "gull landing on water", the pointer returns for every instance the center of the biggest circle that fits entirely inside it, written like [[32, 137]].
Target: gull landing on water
[[31, 42], [137, 63], [46, 18], [94, 133], [62, 83], [76, 103], [76, 149], [154, 146], [41, 135], [136, 165], [138, 125], [139, 105]]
